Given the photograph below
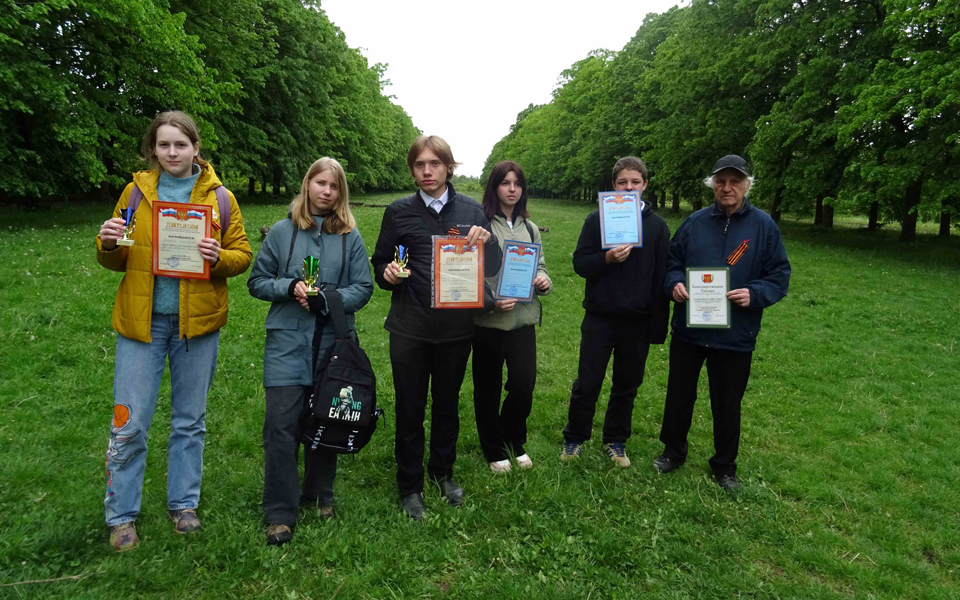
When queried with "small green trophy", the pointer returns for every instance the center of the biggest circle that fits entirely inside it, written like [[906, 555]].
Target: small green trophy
[[402, 256], [311, 270], [130, 224]]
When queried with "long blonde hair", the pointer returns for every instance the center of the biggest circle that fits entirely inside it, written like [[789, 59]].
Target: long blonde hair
[[340, 220], [178, 119]]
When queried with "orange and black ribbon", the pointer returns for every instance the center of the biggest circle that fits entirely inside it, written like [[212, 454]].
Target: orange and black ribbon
[[738, 253]]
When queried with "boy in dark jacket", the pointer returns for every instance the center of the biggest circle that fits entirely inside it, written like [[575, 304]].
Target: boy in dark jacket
[[429, 347], [626, 311]]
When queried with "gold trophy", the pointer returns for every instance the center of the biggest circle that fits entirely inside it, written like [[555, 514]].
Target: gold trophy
[[130, 224], [402, 257], [311, 270]]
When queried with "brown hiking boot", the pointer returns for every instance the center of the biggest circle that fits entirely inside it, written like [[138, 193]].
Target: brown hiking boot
[[327, 511], [185, 520], [123, 537], [278, 535]]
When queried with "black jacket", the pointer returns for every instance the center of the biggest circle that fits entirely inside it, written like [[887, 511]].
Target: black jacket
[[409, 222], [708, 238], [632, 288]]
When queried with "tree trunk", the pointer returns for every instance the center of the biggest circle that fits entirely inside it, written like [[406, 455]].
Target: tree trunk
[[675, 203], [277, 177], [251, 186], [908, 227], [653, 200], [874, 216], [663, 200], [827, 217], [263, 186], [775, 213], [697, 204], [818, 211], [944, 224]]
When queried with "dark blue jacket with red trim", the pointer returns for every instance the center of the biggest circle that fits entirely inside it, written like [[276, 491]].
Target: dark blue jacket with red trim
[[709, 238]]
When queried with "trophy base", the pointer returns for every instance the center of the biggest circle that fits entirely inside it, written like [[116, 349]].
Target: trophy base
[[403, 274], [312, 292], [124, 242]]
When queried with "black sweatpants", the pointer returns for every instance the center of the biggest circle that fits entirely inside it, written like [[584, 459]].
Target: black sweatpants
[[728, 372], [503, 429], [600, 336], [418, 365], [281, 486]]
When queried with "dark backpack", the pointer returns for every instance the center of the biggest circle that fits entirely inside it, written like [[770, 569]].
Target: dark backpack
[[341, 413]]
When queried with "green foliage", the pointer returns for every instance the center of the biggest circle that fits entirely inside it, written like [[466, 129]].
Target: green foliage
[[849, 455], [852, 103], [272, 84]]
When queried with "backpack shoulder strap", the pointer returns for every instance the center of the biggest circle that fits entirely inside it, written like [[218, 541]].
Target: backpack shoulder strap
[[293, 240], [136, 195], [343, 259], [337, 316], [223, 200], [529, 230]]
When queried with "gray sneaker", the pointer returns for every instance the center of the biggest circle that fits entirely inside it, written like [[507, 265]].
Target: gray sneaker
[[185, 520]]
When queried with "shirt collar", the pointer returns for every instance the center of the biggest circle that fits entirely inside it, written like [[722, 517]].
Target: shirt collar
[[428, 199]]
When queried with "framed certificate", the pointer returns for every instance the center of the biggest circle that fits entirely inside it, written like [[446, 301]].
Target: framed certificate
[[708, 306], [621, 223], [457, 280], [177, 228], [518, 270]]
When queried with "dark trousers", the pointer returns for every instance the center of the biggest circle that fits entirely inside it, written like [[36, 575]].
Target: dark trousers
[[416, 366], [728, 372], [599, 336], [503, 429], [281, 487]]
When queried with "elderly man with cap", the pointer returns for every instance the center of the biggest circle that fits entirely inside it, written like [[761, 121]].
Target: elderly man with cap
[[732, 234]]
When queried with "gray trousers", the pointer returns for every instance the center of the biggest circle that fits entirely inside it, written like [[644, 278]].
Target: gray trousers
[[281, 486]]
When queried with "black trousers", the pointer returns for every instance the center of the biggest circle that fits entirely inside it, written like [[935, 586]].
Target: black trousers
[[600, 336], [728, 372], [281, 486], [416, 366], [503, 430]]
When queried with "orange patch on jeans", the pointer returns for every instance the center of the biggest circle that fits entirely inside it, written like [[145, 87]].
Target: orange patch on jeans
[[121, 416]]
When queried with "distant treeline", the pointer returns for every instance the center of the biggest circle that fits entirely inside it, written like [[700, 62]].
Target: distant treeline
[[840, 105], [272, 84]]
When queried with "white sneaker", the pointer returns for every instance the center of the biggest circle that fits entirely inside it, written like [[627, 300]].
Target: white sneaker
[[500, 466], [524, 461]]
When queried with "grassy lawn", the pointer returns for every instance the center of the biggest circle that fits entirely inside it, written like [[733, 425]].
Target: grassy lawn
[[849, 458]]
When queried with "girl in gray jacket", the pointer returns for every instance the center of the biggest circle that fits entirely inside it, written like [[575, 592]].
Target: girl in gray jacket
[[507, 334], [319, 223]]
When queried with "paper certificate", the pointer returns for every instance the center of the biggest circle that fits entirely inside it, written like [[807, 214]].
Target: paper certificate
[[708, 305], [457, 280], [520, 263], [621, 223], [177, 228]]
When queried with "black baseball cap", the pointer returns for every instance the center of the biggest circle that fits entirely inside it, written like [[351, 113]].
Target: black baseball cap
[[731, 161]]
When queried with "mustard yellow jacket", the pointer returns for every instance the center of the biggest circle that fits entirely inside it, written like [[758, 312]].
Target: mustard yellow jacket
[[203, 304]]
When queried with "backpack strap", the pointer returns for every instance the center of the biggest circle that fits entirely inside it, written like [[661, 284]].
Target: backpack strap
[[293, 240], [529, 229], [337, 316], [223, 201], [343, 260], [135, 197]]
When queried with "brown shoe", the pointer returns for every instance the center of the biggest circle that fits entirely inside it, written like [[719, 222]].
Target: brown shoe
[[123, 537], [185, 520], [327, 511], [278, 535]]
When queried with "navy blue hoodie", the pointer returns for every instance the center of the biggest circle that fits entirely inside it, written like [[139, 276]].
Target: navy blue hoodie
[[708, 238]]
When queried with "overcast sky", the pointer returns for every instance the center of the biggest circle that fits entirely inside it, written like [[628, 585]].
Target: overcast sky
[[464, 69]]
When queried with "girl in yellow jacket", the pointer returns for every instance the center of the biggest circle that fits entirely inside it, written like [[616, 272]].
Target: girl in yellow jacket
[[160, 317]]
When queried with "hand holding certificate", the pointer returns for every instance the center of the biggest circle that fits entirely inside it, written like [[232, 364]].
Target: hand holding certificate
[[457, 280], [177, 231], [621, 220], [518, 271], [708, 306]]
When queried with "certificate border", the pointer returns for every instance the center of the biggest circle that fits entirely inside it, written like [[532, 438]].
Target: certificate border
[[207, 210], [729, 304], [603, 228], [529, 297], [435, 288]]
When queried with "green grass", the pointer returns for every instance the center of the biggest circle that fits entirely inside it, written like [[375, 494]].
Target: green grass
[[849, 453]]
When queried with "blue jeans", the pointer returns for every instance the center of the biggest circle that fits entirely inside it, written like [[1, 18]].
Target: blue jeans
[[136, 383]]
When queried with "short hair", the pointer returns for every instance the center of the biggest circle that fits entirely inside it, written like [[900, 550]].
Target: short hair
[[708, 181], [178, 119], [631, 163], [491, 200], [438, 146], [340, 220]]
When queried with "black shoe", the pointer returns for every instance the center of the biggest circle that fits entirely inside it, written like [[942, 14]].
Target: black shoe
[[278, 535], [665, 464], [729, 483], [413, 506], [451, 493]]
